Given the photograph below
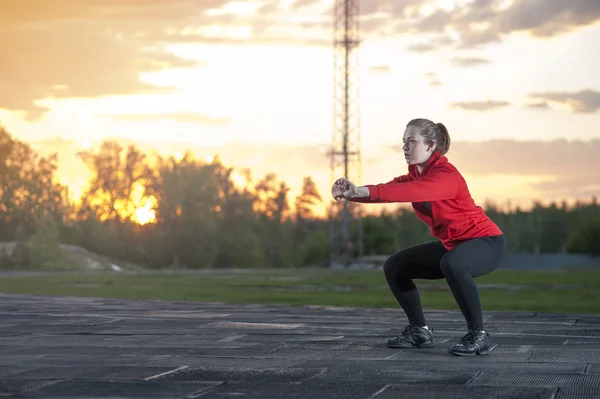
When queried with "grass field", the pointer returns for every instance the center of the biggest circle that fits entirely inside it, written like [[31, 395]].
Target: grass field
[[576, 291]]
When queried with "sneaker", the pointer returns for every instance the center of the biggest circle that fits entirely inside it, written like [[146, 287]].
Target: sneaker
[[412, 337], [474, 343]]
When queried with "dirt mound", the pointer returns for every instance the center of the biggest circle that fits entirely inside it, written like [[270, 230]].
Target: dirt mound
[[80, 259]]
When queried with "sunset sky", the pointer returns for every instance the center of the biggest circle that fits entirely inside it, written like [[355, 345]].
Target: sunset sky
[[517, 83]]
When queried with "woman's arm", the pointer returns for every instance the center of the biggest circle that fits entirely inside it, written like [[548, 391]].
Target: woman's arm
[[438, 184], [400, 179], [362, 194]]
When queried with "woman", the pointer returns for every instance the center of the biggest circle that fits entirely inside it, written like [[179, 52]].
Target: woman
[[469, 244]]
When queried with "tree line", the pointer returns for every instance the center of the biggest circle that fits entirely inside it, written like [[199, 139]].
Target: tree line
[[203, 219]]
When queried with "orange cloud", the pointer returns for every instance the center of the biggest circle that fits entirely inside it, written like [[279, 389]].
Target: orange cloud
[[90, 48], [73, 48], [178, 117]]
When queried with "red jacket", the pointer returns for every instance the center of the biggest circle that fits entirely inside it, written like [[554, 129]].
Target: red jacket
[[440, 197]]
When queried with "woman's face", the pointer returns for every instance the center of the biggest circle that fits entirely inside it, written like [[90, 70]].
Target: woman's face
[[416, 151]]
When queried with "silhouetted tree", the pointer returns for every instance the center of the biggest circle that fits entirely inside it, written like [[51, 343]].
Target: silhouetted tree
[[28, 190]]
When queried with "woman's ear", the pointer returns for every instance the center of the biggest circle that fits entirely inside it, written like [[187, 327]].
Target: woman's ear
[[431, 146]]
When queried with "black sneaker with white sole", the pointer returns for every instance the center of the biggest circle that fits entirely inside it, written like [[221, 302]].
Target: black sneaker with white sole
[[472, 344], [412, 337]]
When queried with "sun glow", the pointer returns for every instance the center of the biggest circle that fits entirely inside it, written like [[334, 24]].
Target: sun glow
[[145, 214], [239, 180]]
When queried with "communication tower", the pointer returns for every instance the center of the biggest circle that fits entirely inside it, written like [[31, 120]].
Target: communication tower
[[345, 220]]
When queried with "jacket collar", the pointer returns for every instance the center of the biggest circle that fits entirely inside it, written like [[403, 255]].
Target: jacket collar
[[435, 159]]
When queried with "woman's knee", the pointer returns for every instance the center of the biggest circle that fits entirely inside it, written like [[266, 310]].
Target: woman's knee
[[394, 265], [390, 268]]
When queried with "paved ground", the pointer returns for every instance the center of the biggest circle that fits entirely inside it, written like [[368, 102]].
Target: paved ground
[[84, 348]]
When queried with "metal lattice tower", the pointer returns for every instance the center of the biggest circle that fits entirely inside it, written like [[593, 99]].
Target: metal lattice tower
[[344, 241]]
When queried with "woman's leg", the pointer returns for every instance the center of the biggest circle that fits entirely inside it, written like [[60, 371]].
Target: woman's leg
[[419, 261], [470, 259]]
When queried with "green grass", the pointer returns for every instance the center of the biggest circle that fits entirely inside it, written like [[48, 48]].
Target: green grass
[[576, 291]]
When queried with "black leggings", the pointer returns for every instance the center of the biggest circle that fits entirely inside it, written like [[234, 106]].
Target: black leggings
[[432, 261]]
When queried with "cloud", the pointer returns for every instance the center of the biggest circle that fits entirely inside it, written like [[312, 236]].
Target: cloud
[[433, 79], [584, 101], [69, 62], [480, 105], [265, 22], [473, 23], [544, 18], [380, 69], [71, 48], [390, 7], [570, 167], [583, 186], [533, 157], [482, 22], [304, 3], [469, 61], [435, 43], [229, 36], [90, 48], [179, 117], [539, 105], [421, 47]]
